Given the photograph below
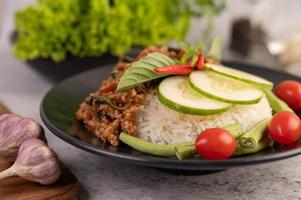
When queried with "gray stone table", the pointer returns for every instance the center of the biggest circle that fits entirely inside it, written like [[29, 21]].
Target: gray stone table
[[21, 89]]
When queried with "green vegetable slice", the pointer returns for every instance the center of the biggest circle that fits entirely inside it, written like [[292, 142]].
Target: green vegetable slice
[[143, 71], [175, 93], [261, 145], [240, 75], [147, 147], [235, 129], [184, 152], [255, 134], [222, 88], [277, 104]]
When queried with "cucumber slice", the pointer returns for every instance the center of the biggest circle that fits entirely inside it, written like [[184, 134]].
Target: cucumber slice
[[240, 75], [222, 88], [175, 93]]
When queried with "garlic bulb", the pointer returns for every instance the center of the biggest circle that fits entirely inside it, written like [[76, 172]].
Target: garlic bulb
[[14, 130], [35, 162]]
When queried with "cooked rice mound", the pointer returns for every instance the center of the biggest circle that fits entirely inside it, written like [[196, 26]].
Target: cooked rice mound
[[158, 124]]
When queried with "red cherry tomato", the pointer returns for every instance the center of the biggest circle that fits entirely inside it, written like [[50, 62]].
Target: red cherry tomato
[[215, 144], [290, 92], [285, 127]]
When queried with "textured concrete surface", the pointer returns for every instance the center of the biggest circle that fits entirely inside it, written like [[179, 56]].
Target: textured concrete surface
[[22, 87]]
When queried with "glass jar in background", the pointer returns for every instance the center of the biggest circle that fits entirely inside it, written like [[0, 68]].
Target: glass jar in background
[[281, 22]]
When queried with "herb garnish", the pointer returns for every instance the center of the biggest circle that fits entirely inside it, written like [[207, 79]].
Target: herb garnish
[[143, 70]]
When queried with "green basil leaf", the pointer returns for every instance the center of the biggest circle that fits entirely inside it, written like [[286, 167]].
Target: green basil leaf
[[143, 70]]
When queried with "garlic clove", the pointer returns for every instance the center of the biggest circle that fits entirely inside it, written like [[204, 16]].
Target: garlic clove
[[36, 163], [7, 144], [14, 130]]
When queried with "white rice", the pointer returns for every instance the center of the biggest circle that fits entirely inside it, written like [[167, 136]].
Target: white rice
[[158, 124]]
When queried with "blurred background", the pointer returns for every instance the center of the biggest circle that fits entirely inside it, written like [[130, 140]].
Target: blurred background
[[262, 32]]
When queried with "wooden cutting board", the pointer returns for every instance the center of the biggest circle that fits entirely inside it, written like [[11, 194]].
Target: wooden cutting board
[[17, 188]]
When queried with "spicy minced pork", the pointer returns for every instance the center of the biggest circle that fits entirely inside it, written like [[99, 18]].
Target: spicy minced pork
[[107, 120]]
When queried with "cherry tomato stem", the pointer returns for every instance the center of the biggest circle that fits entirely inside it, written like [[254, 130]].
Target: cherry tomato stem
[[177, 69]]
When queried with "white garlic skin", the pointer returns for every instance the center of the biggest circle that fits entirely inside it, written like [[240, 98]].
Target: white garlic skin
[[37, 163], [14, 130]]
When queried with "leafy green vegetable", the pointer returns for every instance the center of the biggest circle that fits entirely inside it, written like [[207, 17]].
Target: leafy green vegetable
[[143, 70], [191, 51], [55, 28]]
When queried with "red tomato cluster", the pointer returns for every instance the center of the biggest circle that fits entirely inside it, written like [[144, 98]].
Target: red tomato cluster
[[285, 127], [219, 144]]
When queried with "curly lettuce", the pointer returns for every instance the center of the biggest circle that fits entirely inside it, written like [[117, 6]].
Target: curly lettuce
[[53, 29]]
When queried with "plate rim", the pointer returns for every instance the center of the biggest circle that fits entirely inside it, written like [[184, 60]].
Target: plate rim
[[162, 162]]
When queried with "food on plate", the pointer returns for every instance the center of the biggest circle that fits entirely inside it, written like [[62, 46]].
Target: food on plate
[[176, 69], [200, 63], [277, 104], [175, 93], [240, 75], [165, 99], [215, 144], [290, 92], [151, 148], [264, 143], [224, 89], [181, 151], [107, 121], [255, 134], [285, 127]]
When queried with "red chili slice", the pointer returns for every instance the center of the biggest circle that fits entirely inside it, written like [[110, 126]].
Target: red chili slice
[[175, 69], [200, 62]]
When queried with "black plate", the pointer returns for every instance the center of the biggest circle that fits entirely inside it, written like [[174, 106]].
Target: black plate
[[61, 102]]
